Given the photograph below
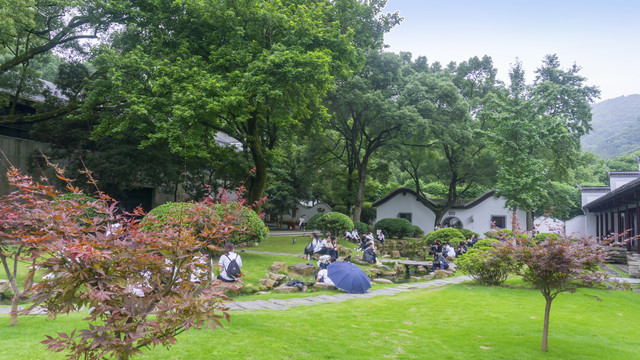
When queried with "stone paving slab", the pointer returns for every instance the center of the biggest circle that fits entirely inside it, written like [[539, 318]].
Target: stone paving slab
[[345, 296], [283, 302], [250, 305], [302, 301], [271, 306], [317, 299], [330, 298]]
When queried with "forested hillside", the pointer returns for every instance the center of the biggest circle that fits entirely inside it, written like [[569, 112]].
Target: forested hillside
[[616, 127]]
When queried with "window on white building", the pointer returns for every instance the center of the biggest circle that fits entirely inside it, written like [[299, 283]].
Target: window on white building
[[499, 221], [405, 216]]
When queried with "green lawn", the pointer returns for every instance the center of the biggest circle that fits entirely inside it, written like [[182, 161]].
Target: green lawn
[[285, 245], [463, 321]]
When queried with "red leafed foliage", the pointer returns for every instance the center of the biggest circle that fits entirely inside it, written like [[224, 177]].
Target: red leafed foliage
[[141, 288]]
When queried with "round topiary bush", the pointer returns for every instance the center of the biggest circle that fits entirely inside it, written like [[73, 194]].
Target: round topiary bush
[[395, 227], [248, 226], [488, 265], [335, 223], [190, 216], [417, 231], [313, 222], [342, 209], [485, 243], [468, 234], [444, 235], [361, 227], [545, 236]]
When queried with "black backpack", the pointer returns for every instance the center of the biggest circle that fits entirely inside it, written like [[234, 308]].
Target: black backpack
[[233, 269]]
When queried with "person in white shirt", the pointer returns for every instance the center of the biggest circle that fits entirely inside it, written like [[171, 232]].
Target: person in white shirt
[[225, 259], [302, 222], [323, 277], [320, 245]]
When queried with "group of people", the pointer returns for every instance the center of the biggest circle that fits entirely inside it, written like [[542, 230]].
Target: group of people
[[442, 252], [327, 246]]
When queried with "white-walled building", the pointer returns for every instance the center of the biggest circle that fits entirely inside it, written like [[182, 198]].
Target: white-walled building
[[476, 215]]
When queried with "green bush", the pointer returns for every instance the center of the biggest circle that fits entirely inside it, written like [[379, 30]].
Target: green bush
[[248, 226], [395, 227], [498, 234], [313, 222], [335, 223], [488, 266], [468, 233], [417, 231], [444, 235], [544, 236], [368, 214], [485, 243], [362, 227]]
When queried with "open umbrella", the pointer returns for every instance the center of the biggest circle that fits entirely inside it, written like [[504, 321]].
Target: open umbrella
[[348, 277]]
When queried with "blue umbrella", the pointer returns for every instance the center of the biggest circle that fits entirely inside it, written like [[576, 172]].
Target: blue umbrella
[[348, 277]]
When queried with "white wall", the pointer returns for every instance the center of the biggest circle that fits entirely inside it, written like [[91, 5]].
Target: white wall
[[589, 196], [617, 181], [421, 215], [579, 225], [478, 218], [308, 212], [545, 224]]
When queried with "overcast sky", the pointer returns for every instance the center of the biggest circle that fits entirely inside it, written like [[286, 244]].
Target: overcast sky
[[602, 37]]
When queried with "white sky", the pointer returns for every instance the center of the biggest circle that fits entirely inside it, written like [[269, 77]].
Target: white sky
[[602, 36]]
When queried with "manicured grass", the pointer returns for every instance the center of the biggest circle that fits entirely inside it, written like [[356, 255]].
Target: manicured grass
[[285, 245], [463, 321]]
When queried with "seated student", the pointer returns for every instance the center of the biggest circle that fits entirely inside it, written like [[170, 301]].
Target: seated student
[[462, 248], [321, 248], [439, 262], [225, 260], [436, 247], [330, 247], [449, 251], [369, 255], [311, 247], [323, 277], [472, 241], [324, 261], [380, 236]]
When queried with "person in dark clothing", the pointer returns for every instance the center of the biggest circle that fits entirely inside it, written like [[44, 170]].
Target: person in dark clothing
[[369, 255], [439, 262]]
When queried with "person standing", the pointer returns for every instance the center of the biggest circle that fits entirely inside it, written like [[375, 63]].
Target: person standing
[[302, 223]]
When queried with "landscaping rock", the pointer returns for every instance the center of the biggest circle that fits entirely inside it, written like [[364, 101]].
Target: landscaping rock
[[386, 255], [288, 289], [303, 269], [228, 287], [277, 277], [395, 254], [264, 292], [343, 251], [374, 271], [382, 281], [388, 273], [421, 270], [440, 274], [4, 286], [414, 279], [323, 286], [278, 267], [452, 267], [269, 283], [429, 277], [399, 268]]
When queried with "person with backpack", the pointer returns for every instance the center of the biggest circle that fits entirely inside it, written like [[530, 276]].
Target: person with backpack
[[311, 247], [230, 264]]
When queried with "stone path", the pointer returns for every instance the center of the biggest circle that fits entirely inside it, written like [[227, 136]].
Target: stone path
[[284, 304]]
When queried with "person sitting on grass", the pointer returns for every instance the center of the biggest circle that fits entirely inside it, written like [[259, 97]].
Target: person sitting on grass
[[323, 277], [381, 236], [311, 247], [330, 248], [439, 262], [227, 259], [369, 255]]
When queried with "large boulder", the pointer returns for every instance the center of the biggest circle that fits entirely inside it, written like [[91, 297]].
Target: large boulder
[[303, 269], [4, 286], [324, 286], [278, 267], [441, 274], [269, 283], [382, 281], [289, 289], [279, 278], [414, 278], [343, 251], [429, 277], [395, 254], [228, 287]]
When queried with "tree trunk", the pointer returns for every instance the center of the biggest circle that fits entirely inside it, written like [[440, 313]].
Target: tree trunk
[[529, 221], [362, 179], [545, 329], [14, 309], [514, 219], [259, 181]]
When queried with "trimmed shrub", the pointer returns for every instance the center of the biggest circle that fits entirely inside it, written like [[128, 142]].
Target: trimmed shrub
[[395, 227], [313, 222], [444, 235], [417, 231], [468, 233], [485, 243], [498, 234], [362, 227], [248, 226], [544, 236], [335, 223], [488, 265]]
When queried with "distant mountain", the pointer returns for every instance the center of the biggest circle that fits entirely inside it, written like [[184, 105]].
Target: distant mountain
[[616, 127]]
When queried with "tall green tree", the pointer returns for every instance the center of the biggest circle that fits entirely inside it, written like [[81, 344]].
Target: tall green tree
[[367, 115], [256, 70]]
